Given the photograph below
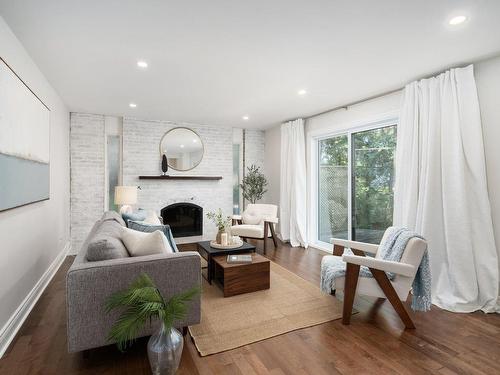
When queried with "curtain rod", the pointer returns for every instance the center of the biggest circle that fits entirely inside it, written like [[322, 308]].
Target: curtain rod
[[346, 106]]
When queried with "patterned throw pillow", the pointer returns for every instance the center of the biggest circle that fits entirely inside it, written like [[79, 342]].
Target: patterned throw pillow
[[141, 226], [138, 215]]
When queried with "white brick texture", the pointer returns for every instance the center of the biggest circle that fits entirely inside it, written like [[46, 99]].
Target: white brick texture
[[255, 148], [141, 156], [87, 174]]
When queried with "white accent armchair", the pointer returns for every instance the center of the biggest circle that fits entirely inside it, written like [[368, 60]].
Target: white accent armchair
[[379, 286], [257, 222]]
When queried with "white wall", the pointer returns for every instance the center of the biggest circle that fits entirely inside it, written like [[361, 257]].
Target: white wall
[[272, 167], [141, 156], [343, 119], [487, 75], [272, 164], [87, 174], [31, 237], [255, 148]]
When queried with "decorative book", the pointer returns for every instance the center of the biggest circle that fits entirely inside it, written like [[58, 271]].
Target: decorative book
[[245, 258]]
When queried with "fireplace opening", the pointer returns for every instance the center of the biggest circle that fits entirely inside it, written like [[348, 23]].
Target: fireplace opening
[[185, 219]]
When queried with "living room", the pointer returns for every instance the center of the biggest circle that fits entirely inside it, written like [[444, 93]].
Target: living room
[[249, 188]]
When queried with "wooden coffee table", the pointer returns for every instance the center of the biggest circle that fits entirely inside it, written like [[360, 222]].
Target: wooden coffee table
[[208, 252], [239, 278]]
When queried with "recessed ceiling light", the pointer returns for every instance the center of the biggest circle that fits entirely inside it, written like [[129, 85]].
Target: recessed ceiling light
[[182, 146], [245, 118], [195, 140], [457, 20], [302, 92], [142, 64], [132, 105]]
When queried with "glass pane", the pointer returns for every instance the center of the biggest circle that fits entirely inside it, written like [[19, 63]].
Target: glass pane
[[373, 168], [332, 188], [113, 150], [236, 179]]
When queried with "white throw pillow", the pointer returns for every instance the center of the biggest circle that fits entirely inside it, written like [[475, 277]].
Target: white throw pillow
[[252, 217], [142, 243], [152, 218]]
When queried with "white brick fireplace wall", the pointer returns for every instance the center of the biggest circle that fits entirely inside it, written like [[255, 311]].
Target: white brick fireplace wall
[[141, 156]]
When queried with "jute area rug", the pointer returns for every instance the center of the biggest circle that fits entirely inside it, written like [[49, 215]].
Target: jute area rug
[[291, 303]]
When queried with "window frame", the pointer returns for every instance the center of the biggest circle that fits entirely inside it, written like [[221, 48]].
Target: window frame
[[314, 138]]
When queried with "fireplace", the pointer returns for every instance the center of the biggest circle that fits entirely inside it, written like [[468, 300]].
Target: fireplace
[[185, 219]]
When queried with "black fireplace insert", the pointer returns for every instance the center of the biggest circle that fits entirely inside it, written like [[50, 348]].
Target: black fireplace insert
[[185, 219]]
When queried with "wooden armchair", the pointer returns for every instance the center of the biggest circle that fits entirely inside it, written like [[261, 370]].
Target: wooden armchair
[[380, 285], [257, 222]]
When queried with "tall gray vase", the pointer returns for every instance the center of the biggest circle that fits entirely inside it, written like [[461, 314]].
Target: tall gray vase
[[165, 351]]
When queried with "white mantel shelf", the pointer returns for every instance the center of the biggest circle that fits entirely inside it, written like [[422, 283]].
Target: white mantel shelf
[[180, 177]]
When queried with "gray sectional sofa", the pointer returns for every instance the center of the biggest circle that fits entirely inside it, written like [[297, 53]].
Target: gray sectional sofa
[[89, 283]]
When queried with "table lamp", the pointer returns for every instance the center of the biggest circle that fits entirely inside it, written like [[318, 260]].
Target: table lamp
[[125, 196]]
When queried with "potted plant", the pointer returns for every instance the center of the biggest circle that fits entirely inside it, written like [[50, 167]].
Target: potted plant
[[142, 301], [253, 184], [220, 221]]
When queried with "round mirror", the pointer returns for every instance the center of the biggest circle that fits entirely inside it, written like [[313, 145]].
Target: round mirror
[[182, 147]]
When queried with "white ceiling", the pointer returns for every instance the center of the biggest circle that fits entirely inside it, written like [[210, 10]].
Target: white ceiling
[[211, 62]]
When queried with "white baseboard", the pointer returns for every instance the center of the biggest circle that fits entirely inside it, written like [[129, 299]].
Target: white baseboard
[[10, 329]]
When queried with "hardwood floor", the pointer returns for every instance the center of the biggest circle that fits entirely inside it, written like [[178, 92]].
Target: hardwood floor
[[443, 343]]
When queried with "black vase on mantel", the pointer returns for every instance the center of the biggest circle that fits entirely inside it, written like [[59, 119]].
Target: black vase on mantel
[[164, 164]]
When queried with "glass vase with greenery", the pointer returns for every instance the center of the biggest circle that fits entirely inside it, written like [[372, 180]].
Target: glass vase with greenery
[[253, 184], [141, 302], [221, 221]]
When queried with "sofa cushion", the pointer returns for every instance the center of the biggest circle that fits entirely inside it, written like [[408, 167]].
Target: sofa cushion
[[105, 242], [143, 243], [246, 230], [142, 226], [113, 215], [109, 228]]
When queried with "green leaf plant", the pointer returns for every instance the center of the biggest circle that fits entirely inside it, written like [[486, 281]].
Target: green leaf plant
[[218, 218], [141, 302], [253, 184]]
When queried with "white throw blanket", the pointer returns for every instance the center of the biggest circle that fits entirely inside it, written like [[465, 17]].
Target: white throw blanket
[[391, 249]]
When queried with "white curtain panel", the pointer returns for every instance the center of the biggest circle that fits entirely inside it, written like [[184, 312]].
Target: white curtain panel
[[441, 190], [293, 204]]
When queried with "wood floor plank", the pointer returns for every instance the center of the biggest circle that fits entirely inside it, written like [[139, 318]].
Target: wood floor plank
[[443, 342]]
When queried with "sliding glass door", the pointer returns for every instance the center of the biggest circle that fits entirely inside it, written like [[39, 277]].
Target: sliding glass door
[[355, 184], [372, 182], [333, 188]]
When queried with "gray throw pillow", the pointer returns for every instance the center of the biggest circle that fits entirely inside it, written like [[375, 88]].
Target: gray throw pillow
[[106, 242], [104, 248]]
